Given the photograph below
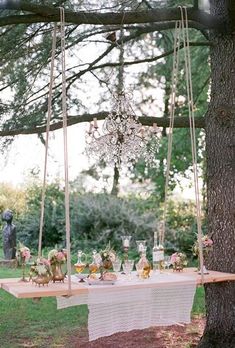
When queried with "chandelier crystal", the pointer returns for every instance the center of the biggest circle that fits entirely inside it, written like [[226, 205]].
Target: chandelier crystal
[[123, 140]]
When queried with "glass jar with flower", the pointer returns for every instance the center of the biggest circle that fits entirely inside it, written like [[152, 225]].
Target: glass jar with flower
[[57, 258], [22, 255], [207, 245], [40, 272], [178, 261]]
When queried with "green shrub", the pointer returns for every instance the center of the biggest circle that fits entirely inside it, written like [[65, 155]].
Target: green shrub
[[97, 219], [181, 231]]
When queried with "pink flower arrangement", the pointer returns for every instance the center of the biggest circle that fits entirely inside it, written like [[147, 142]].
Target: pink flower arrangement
[[23, 253], [41, 268], [57, 256], [174, 258], [207, 244], [178, 261], [60, 256]]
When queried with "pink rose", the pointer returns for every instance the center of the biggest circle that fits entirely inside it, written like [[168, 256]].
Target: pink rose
[[60, 256], [207, 242], [25, 254], [45, 262], [173, 258]]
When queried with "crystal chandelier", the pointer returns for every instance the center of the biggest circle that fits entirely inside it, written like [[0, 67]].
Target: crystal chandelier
[[123, 140]]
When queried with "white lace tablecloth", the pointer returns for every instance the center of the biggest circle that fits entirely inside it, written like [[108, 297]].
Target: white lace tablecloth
[[164, 299]]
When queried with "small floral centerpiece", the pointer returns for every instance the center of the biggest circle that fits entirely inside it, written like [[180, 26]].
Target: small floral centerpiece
[[57, 258], [22, 255], [207, 244], [178, 261], [107, 256], [40, 271]]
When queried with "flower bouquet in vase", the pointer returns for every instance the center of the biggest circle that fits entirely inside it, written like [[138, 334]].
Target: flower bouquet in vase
[[57, 258], [40, 272], [107, 256], [22, 255], [178, 261], [207, 245]]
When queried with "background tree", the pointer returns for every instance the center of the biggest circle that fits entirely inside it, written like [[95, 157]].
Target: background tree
[[54, 217], [158, 76]]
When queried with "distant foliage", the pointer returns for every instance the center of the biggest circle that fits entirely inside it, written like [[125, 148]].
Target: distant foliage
[[13, 199], [97, 219], [54, 218]]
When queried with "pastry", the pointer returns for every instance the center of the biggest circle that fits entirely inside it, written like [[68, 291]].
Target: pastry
[[109, 276]]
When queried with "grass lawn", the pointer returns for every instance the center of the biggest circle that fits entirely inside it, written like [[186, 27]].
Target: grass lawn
[[25, 323]]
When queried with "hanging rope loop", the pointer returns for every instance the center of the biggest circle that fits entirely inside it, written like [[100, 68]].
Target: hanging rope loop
[[188, 72], [182, 27], [49, 112], [174, 81], [64, 114]]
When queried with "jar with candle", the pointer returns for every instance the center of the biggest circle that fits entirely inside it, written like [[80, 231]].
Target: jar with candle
[[140, 245]]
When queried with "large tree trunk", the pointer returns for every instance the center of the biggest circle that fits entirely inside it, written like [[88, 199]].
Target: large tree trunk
[[220, 148]]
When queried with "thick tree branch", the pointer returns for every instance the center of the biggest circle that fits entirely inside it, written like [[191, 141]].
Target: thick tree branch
[[180, 122], [42, 13], [149, 60], [93, 67]]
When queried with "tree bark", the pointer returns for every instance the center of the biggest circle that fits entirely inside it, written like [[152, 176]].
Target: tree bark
[[220, 150]]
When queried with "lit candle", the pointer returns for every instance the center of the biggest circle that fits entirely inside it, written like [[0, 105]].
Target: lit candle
[[126, 243]]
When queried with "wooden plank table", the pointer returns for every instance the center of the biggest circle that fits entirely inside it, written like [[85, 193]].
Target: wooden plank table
[[21, 289]]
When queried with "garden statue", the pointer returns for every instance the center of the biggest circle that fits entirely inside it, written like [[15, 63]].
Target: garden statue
[[9, 236]]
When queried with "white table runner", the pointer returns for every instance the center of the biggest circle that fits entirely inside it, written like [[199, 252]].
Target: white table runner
[[164, 299]]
